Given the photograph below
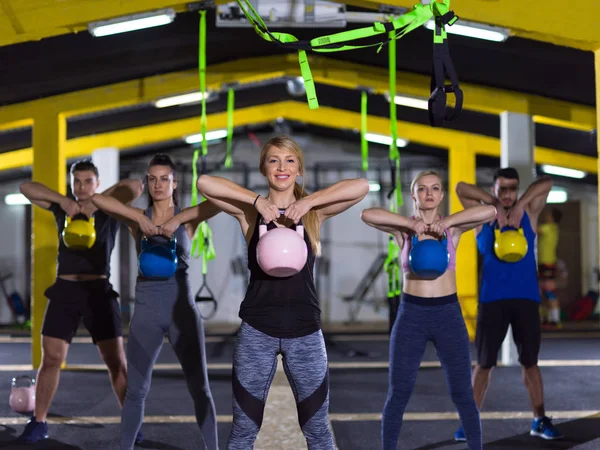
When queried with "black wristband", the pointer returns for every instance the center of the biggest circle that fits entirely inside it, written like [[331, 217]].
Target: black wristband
[[254, 204]]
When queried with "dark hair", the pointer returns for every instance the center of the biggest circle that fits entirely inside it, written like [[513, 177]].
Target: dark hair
[[84, 164], [556, 215], [507, 172], [160, 159]]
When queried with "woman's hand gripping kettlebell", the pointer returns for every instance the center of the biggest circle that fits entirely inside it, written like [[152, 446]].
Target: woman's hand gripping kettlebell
[[267, 209], [146, 226], [438, 228], [418, 226]]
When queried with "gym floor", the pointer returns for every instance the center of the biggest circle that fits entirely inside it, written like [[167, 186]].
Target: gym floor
[[85, 415]]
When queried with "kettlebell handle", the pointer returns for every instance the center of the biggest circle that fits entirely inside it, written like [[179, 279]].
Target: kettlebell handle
[[262, 227], [443, 239], [78, 216], [172, 241]]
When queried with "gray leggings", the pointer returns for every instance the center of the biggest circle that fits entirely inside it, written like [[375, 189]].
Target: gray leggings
[[166, 307], [254, 366]]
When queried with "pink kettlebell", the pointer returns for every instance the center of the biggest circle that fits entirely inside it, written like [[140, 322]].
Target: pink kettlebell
[[22, 394], [281, 252]]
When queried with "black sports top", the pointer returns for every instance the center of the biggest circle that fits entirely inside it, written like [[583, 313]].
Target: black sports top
[[94, 261], [281, 307]]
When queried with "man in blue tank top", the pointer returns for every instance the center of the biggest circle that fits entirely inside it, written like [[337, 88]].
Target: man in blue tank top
[[509, 292], [81, 290]]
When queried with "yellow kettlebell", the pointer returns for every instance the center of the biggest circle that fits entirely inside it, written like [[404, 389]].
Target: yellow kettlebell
[[510, 245], [79, 232]]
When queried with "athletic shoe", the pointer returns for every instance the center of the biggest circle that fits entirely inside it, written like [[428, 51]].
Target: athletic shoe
[[459, 436], [34, 431], [543, 428]]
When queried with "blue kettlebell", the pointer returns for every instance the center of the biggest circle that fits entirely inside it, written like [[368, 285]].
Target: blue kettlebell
[[158, 260], [429, 258]]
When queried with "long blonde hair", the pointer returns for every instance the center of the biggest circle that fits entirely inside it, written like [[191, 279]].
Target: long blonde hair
[[310, 220], [413, 185]]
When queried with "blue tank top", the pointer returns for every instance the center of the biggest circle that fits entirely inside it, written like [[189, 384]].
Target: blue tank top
[[506, 281], [184, 244]]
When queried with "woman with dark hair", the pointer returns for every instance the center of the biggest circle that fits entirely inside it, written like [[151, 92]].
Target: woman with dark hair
[[164, 306]]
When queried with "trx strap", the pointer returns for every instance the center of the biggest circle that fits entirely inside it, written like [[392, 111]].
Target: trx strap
[[442, 65], [393, 30], [202, 244], [230, 105], [391, 264], [364, 144]]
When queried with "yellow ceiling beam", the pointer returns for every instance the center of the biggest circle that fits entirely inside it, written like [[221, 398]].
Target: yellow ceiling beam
[[290, 110], [570, 24], [24, 21], [145, 135], [22, 123], [325, 70]]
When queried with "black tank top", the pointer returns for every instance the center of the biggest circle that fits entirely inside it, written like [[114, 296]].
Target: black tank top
[[281, 307], [96, 260]]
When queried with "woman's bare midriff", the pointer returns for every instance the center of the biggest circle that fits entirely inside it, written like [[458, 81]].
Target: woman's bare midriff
[[440, 287]]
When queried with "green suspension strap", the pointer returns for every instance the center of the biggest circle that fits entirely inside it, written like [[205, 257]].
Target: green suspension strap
[[202, 244], [230, 105], [337, 42], [198, 241], [391, 263], [364, 144]]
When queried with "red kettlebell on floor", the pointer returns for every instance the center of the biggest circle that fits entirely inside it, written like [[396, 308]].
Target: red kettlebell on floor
[[22, 394], [281, 252]]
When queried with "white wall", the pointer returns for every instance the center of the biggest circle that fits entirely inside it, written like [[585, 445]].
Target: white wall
[[12, 249]]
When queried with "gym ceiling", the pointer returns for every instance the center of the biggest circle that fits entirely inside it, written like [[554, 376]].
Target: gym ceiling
[[106, 85]]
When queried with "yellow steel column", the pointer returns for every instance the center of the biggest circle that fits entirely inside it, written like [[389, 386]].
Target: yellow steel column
[[49, 168], [461, 167]]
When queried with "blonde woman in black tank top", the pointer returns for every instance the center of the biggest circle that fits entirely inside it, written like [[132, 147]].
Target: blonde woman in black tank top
[[281, 315]]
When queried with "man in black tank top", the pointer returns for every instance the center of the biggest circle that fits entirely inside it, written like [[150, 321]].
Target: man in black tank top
[[81, 289]]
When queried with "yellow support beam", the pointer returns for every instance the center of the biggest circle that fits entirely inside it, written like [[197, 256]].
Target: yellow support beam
[[461, 167], [572, 26], [23, 123], [24, 21], [291, 110], [325, 70], [49, 136]]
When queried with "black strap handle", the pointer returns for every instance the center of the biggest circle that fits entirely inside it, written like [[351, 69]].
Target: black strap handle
[[442, 66]]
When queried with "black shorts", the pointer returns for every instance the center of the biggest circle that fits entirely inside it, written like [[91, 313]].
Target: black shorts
[[94, 300], [493, 320]]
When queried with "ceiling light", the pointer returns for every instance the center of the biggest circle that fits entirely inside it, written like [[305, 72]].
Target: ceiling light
[[475, 30], [16, 199], [557, 196], [210, 136], [411, 102], [192, 97], [384, 140], [563, 171], [131, 23]]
